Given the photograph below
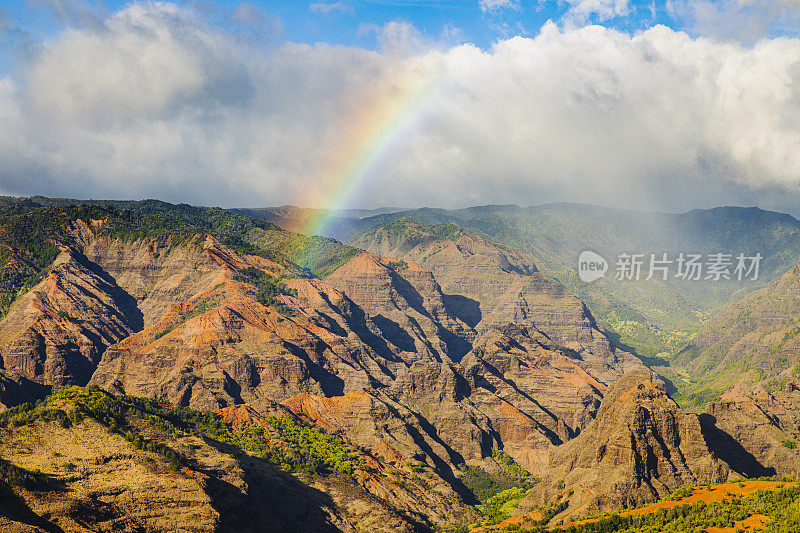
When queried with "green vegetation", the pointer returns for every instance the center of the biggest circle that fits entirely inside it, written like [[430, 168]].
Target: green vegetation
[[499, 493], [28, 245], [781, 506], [315, 256], [315, 451], [540, 526], [30, 239], [628, 326], [405, 228], [509, 469], [323, 256], [681, 493], [21, 477], [411, 232], [285, 442], [789, 443], [480, 483], [448, 231], [171, 224], [500, 506], [130, 226], [693, 393], [200, 306], [398, 266], [71, 405], [654, 318], [32, 230], [267, 289]]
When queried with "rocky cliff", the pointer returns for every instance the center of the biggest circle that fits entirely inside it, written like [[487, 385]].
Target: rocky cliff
[[380, 352], [407, 304], [56, 333], [489, 284], [639, 448]]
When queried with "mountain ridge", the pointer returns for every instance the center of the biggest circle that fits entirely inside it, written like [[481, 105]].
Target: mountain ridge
[[449, 360]]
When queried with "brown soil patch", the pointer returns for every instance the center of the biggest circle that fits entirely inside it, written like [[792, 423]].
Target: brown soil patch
[[713, 494]]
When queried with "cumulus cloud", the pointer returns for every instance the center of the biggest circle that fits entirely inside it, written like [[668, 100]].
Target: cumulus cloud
[[161, 103]]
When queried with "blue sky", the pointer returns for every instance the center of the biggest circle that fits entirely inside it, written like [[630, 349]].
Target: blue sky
[[357, 23], [346, 25], [348, 22]]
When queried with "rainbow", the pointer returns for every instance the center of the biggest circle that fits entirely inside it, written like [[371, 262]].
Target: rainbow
[[365, 141]]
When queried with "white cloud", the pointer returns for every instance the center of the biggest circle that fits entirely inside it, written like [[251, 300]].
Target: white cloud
[[495, 5], [400, 38], [160, 103], [321, 7], [147, 62], [743, 20], [581, 11]]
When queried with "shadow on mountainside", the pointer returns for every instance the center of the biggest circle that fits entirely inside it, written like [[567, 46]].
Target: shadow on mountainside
[[456, 346], [330, 383], [133, 316], [392, 332], [730, 450], [16, 389], [272, 500], [14, 509], [463, 308]]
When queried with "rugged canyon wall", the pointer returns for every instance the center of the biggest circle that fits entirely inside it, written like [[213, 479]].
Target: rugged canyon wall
[[638, 449], [433, 348]]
